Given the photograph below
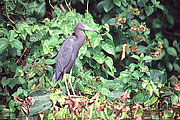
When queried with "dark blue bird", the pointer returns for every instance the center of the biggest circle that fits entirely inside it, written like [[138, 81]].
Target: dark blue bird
[[69, 51]]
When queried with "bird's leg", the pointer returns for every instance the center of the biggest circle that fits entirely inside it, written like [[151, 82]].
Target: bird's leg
[[70, 82], [66, 85]]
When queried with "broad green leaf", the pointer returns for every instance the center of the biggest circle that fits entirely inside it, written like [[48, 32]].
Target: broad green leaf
[[3, 44], [31, 74], [135, 57], [18, 44], [124, 2], [172, 51], [149, 10], [104, 91], [5, 81], [157, 23], [135, 74], [21, 80], [158, 76], [43, 102], [167, 114], [99, 57], [95, 41], [111, 21], [147, 58], [117, 2], [109, 36], [50, 61], [108, 5], [115, 94], [108, 46], [153, 1], [170, 19], [169, 66], [175, 99], [41, 9], [151, 101], [109, 62], [165, 43], [160, 7], [173, 79], [176, 66]]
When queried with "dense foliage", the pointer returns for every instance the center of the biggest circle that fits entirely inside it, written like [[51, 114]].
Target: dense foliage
[[137, 51]]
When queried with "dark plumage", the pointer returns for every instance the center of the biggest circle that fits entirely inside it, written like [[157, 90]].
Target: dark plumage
[[69, 51]]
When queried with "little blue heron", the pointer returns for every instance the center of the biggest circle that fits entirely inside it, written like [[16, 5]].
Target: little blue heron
[[68, 53]]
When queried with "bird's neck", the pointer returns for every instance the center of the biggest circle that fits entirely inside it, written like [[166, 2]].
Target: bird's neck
[[81, 37]]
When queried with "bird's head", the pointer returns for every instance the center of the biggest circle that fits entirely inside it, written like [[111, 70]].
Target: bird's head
[[83, 26]]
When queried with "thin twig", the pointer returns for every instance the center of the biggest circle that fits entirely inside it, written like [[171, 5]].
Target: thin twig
[[175, 34], [21, 55]]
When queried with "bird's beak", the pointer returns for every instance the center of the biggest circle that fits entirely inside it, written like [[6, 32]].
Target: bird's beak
[[90, 29]]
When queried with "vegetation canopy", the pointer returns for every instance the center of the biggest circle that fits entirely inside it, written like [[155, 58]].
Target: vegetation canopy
[[128, 71]]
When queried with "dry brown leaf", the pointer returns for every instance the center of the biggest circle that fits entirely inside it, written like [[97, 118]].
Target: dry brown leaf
[[125, 96], [72, 104], [101, 108], [126, 109], [93, 100], [138, 118]]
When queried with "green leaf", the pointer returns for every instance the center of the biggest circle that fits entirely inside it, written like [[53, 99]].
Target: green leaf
[[135, 57], [124, 2], [104, 91], [160, 7], [149, 10], [43, 102], [108, 46], [31, 74], [108, 5], [169, 66], [117, 2], [18, 44], [153, 1], [5, 81], [172, 51], [99, 57], [111, 21], [41, 9], [170, 19], [50, 61], [115, 94], [109, 62], [95, 41], [157, 23], [135, 74], [147, 58], [176, 66], [165, 42], [3, 44], [151, 101], [167, 114], [175, 99], [158, 76]]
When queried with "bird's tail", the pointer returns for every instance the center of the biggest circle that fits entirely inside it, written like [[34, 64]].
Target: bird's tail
[[57, 77]]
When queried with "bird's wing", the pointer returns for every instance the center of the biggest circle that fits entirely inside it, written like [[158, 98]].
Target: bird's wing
[[64, 56]]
